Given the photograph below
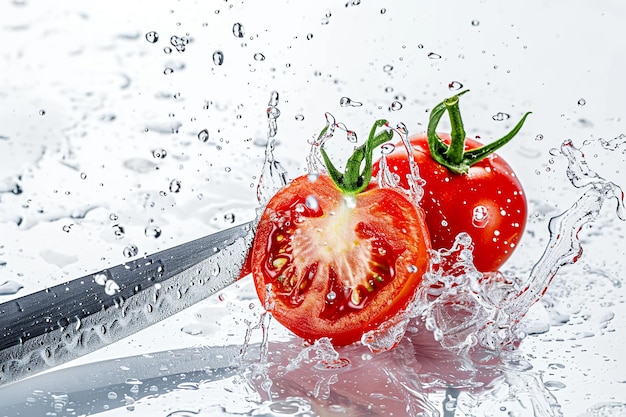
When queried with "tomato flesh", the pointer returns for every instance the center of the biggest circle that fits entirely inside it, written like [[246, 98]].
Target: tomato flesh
[[338, 265], [488, 202]]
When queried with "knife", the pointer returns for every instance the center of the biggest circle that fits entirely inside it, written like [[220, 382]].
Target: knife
[[47, 328]]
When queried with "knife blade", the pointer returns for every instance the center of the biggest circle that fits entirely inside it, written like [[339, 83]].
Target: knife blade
[[47, 328]]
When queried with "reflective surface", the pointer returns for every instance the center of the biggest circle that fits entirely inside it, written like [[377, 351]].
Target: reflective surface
[[126, 128]]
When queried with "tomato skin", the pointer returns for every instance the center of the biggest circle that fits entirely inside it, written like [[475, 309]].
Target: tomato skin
[[488, 202], [370, 254]]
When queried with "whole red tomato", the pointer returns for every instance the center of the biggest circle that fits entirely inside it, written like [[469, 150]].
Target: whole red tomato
[[473, 191], [334, 257]]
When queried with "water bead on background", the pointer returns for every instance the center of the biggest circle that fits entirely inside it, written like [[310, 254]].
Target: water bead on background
[[455, 85], [175, 186], [153, 231], [238, 30], [582, 102], [348, 102], [259, 57], [130, 251], [500, 116], [203, 135], [152, 37], [218, 58], [395, 106]]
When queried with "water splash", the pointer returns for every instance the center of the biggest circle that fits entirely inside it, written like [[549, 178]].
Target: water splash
[[273, 175], [465, 308]]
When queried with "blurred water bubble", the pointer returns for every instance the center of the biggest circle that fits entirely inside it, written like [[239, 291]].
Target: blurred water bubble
[[130, 251], [395, 106], [218, 57], [42, 112], [388, 68], [309, 36], [475, 22], [582, 102], [175, 186], [152, 37], [229, 218], [299, 117], [259, 57], [118, 231], [383, 11], [500, 116], [10, 287], [153, 231], [539, 137], [348, 102], [203, 135], [159, 153], [168, 71], [238, 30], [454, 86]]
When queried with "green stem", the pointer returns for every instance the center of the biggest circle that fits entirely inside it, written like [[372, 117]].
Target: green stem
[[453, 156], [354, 180]]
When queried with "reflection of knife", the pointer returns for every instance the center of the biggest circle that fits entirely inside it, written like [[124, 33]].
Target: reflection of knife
[[50, 327]]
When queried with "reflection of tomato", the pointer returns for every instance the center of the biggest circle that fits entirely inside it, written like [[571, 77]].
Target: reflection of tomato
[[468, 189], [331, 264], [488, 202]]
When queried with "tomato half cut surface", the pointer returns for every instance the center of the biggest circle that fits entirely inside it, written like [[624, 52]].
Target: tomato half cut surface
[[333, 265]]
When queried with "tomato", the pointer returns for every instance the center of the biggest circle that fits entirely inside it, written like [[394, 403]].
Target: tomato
[[338, 266], [478, 195], [488, 202], [331, 262]]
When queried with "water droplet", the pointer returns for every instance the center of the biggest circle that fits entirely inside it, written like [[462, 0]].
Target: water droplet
[[118, 231], [175, 186], [153, 231], [113, 216], [159, 153], [167, 50], [273, 112], [455, 85], [480, 216], [383, 11], [10, 287], [395, 106], [218, 57], [499, 117], [433, 55], [100, 278], [475, 22], [582, 102], [180, 43], [259, 57], [168, 71], [229, 218], [411, 269], [215, 271], [67, 228], [309, 36], [130, 251], [299, 117], [111, 287], [311, 202], [238, 30], [83, 175], [331, 296], [387, 148], [42, 112], [203, 135], [348, 102], [152, 37], [388, 68]]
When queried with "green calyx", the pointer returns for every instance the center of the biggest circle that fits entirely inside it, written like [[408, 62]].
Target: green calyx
[[358, 171], [454, 156]]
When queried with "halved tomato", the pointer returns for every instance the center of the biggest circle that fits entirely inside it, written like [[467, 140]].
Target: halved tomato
[[334, 264]]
